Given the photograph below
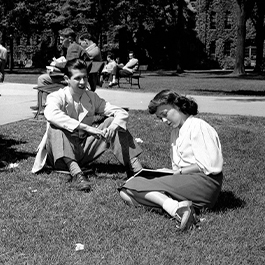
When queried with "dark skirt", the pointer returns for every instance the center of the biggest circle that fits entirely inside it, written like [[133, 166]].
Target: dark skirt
[[201, 189]]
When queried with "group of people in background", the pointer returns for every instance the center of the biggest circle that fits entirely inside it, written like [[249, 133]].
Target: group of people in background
[[84, 47], [114, 69]]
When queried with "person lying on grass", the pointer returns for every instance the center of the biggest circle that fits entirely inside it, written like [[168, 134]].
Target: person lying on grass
[[71, 142], [197, 162]]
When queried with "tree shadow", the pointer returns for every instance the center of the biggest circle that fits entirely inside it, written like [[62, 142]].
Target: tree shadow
[[233, 92], [229, 75], [105, 169], [227, 200], [9, 154]]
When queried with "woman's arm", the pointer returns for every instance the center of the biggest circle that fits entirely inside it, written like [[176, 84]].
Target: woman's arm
[[183, 170]]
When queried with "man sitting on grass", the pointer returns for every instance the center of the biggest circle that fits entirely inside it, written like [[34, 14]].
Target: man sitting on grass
[[71, 142], [121, 70]]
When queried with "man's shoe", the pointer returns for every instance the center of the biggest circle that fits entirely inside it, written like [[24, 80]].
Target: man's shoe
[[80, 182]]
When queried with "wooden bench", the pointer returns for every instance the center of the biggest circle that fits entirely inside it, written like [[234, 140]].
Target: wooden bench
[[45, 89], [136, 76]]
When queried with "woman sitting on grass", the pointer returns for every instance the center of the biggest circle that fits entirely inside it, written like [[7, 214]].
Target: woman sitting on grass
[[196, 178]]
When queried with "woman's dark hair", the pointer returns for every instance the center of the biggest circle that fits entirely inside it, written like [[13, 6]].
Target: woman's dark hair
[[169, 97], [74, 64]]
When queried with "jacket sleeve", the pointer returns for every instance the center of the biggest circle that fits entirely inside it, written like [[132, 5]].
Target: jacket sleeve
[[55, 113], [207, 148], [103, 107], [92, 54]]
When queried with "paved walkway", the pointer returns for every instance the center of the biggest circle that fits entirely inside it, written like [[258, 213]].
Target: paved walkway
[[16, 99]]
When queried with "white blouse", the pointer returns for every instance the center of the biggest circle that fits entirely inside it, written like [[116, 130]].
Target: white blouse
[[196, 142]]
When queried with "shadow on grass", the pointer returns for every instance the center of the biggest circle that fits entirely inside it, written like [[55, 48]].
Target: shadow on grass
[[107, 169], [227, 200], [233, 92], [9, 154]]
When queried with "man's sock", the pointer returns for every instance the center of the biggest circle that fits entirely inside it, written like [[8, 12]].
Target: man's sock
[[73, 166]]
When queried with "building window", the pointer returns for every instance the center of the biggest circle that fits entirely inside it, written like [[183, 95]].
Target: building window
[[212, 49], [227, 48], [228, 20], [213, 20]]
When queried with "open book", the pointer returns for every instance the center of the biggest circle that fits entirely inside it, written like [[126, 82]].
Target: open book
[[152, 173]]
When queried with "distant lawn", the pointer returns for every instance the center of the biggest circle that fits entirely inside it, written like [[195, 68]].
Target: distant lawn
[[187, 83], [42, 220]]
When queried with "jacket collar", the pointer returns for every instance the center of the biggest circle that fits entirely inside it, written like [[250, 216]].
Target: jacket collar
[[85, 103]]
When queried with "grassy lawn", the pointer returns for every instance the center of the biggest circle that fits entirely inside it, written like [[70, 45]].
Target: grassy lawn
[[189, 83], [42, 219]]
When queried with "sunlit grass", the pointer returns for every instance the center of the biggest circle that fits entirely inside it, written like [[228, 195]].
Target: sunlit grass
[[42, 219]]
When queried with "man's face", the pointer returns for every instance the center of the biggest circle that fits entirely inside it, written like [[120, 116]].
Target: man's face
[[64, 41], [84, 43], [130, 55], [78, 81]]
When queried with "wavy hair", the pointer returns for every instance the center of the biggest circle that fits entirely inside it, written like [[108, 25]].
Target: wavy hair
[[168, 97], [74, 64]]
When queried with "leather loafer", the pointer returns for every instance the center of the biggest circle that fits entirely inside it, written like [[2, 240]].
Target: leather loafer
[[81, 183]]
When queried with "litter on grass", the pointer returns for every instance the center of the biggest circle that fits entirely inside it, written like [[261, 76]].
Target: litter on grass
[[79, 247]]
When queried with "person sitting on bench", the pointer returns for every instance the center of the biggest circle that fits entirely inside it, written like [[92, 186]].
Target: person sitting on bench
[[88, 42], [105, 74], [71, 50], [121, 70]]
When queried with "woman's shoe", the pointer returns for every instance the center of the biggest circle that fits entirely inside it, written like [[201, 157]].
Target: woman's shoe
[[185, 215]]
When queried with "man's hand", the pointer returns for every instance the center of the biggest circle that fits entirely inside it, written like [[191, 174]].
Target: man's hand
[[109, 132], [93, 131]]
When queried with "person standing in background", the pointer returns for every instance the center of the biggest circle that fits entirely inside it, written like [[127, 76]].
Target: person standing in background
[[3, 60]]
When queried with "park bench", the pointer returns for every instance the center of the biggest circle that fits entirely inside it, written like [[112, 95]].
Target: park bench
[[96, 68], [136, 76]]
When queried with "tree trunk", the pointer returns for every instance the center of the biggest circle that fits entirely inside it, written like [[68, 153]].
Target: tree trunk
[[179, 38], [241, 36], [260, 34]]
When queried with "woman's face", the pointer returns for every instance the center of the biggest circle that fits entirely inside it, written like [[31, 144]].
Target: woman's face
[[170, 115]]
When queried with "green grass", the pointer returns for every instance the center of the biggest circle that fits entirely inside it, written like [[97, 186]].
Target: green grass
[[42, 219], [189, 83]]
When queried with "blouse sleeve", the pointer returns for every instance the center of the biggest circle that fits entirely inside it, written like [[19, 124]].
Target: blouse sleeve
[[206, 147]]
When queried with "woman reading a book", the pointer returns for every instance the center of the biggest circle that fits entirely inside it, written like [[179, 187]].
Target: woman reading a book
[[196, 177]]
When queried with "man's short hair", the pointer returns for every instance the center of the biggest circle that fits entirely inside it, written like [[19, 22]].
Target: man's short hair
[[74, 64], [68, 32], [111, 56], [87, 36]]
